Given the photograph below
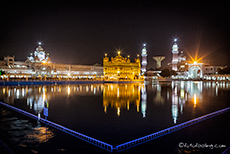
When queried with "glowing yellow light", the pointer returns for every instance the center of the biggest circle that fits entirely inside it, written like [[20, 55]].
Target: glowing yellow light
[[138, 104], [195, 62], [105, 109], [68, 91], [121, 68], [118, 111], [118, 92], [111, 87], [44, 62], [128, 105], [44, 96], [120, 96], [182, 93], [194, 98]]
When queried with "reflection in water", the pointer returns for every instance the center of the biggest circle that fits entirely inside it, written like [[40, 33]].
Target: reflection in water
[[121, 97], [181, 93], [143, 100], [194, 100], [37, 97], [159, 99], [40, 134], [174, 103], [23, 133]]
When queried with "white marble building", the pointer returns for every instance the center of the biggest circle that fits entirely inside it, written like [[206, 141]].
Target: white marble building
[[39, 64]]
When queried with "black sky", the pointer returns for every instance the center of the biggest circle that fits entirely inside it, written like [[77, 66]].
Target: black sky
[[81, 34]]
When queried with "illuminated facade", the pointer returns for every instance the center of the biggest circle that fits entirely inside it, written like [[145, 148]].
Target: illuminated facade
[[195, 70], [143, 59], [121, 68], [175, 52], [185, 69], [39, 64]]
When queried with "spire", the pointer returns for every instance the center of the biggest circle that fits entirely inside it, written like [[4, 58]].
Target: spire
[[175, 52], [118, 52], [144, 58], [128, 60], [175, 47]]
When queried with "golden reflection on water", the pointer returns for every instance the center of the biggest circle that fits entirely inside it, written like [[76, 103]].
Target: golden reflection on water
[[40, 134], [195, 99], [119, 97], [22, 132]]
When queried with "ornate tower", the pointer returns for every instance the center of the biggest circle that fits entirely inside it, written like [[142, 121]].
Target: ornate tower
[[39, 53], [175, 55], [144, 59]]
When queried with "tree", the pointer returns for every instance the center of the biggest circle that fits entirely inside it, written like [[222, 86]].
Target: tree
[[167, 73], [2, 72], [225, 70]]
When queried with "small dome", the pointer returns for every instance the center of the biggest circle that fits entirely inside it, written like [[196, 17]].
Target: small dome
[[39, 48]]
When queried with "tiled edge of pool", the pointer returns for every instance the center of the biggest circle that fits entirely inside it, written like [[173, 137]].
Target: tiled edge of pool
[[126, 145]]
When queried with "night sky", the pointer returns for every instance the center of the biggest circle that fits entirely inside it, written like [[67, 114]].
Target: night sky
[[82, 34]]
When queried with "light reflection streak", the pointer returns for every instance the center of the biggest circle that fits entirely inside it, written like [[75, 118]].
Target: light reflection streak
[[194, 99], [121, 97], [68, 90]]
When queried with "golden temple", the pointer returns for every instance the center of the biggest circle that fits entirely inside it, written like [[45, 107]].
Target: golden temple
[[120, 68]]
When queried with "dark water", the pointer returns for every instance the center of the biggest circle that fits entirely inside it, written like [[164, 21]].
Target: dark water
[[113, 113]]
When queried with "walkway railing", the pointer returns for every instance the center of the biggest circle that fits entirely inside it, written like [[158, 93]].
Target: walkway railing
[[126, 145], [163, 132], [81, 136]]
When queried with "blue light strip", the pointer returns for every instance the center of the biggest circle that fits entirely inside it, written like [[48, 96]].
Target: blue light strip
[[126, 145], [169, 130], [81, 136]]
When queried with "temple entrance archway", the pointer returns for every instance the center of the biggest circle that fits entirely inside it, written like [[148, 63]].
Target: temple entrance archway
[[195, 72]]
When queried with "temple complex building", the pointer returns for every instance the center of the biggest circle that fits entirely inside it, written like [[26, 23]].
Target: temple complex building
[[39, 64], [120, 68]]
